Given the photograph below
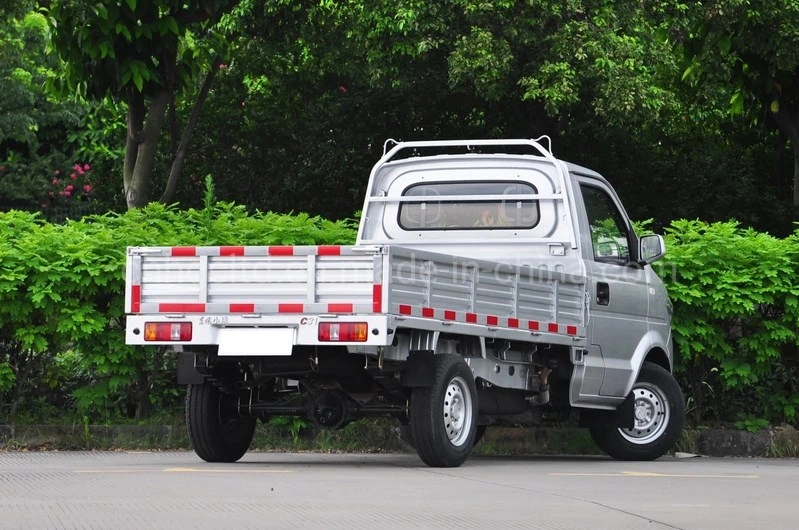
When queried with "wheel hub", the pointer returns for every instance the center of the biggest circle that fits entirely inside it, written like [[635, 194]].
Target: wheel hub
[[643, 412], [457, 411], [650, 413]]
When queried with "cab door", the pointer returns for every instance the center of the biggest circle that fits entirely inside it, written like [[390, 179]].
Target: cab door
[[618, 289]]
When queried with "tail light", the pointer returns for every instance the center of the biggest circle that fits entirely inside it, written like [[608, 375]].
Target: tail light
[[343, 331], [167, 331]]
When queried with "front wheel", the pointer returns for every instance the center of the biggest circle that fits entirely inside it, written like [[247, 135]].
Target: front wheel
[[217, 431], [443, 417], [659, 409]]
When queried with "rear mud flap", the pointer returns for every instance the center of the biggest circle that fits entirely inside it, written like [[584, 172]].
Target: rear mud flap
[[420, 369], [187, 373]]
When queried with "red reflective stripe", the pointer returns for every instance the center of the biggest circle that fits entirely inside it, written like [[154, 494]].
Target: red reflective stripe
[[231, 251], [571, 330], [181, 308], [135, 298], [290, 308], [491, 320], [280, 251], [449, 315], [513, 322], [340, 308], [184, 251], [428, 312], [552, 327], [533, 325], [404, 309], [377, 298], [329, 250], [471, 318], [242, 308]]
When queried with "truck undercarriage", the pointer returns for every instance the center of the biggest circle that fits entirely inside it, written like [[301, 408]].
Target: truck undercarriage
[[332, 387]]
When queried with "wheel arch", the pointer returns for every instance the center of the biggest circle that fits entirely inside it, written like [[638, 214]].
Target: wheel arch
[[658, 356]]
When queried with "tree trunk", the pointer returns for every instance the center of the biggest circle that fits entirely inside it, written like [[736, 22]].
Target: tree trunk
[[24, 361], [134, 136], [183, 148], [138, 169], [142, 394]]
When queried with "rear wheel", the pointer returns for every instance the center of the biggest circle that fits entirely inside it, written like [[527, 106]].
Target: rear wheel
[[659, 416], [443, 417], [218, 432]]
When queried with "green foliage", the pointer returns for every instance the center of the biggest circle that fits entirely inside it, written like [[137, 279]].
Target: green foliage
[[747, 52], [32, 125], [753, 424], [112, 47], [7, 377], [736, 308], [291, 424]]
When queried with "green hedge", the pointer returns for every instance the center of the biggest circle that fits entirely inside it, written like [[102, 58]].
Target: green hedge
[[736, 318], [735, 295], [62, 297]]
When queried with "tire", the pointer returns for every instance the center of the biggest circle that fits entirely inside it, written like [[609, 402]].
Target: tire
[[443, 417], [218, 433], [405, 435], [659, 418]]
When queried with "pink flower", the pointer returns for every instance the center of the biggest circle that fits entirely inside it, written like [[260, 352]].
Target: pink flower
[[65, 193], [57, 172], [73, 176], [87, 167], [69, 188], [87, 188], [56, 182]]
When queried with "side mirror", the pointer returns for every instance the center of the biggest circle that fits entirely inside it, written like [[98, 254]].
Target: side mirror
[[651, 248]]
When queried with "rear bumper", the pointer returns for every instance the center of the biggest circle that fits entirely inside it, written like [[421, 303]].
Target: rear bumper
[[208, 329]]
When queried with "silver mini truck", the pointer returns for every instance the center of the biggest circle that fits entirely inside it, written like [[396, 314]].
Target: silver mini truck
[[490, 285]]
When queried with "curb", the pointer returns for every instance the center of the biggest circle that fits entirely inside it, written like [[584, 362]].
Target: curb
[[776, 442]]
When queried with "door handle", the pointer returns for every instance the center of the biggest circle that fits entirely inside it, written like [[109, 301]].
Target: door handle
[[602, 293]]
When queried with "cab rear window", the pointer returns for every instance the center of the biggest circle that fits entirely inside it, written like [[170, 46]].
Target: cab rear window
[[469, 206]]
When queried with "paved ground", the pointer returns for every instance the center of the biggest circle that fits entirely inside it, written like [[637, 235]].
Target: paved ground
[[278, 490]]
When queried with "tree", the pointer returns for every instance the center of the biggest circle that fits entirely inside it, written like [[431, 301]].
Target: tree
[[323, 84], [33, 127], [749, 50], [146, 54]]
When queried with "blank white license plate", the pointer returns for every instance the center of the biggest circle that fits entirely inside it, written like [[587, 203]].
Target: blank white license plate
[[255, 341]]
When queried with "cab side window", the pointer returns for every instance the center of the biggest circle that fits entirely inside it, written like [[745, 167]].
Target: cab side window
[[610, 235]]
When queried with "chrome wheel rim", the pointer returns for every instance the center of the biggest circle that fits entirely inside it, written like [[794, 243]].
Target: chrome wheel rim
[[651, 414], [457, 411]]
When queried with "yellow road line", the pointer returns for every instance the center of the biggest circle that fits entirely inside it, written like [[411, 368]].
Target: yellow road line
[[196, 470], [183, 470], [108, 470], [650, 475]]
